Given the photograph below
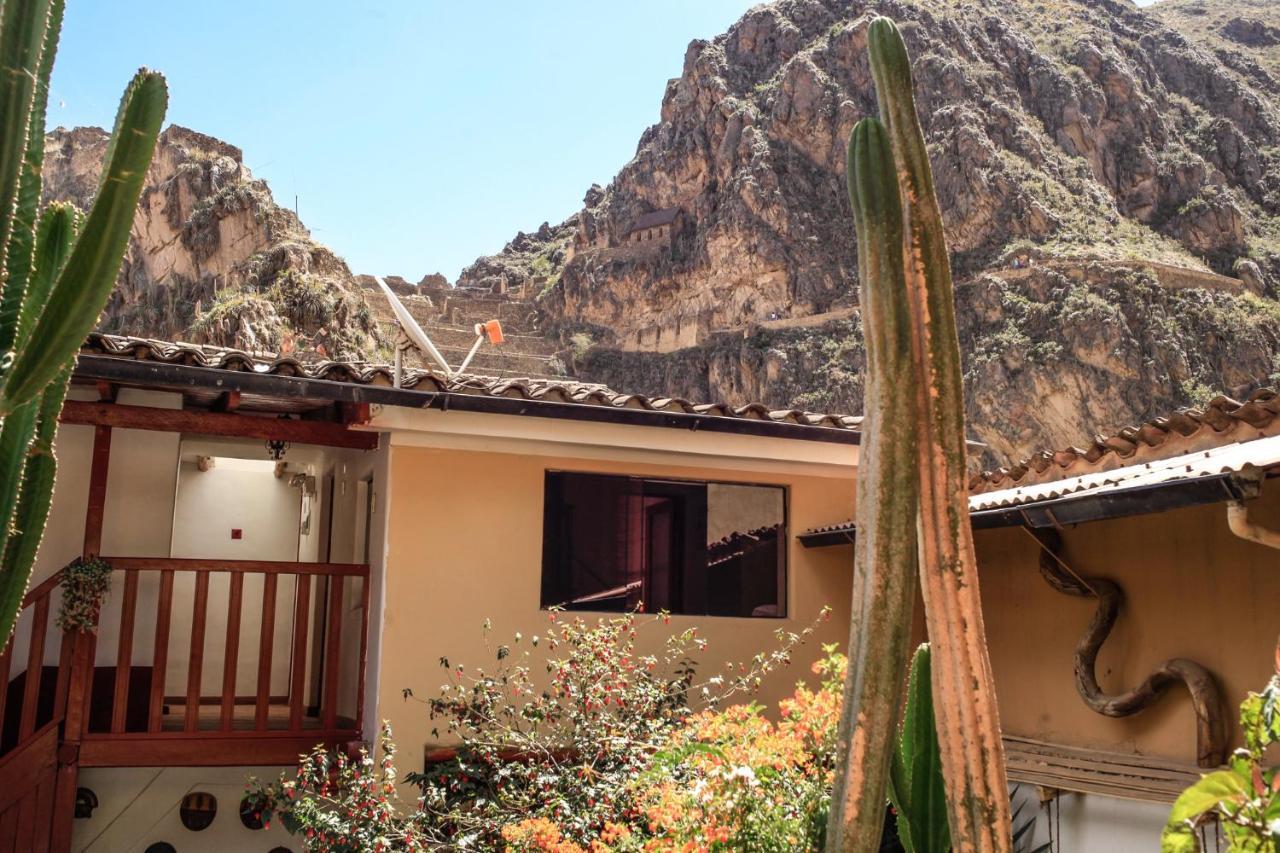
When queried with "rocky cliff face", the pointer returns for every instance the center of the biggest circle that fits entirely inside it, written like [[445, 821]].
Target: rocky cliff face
[[212, 258], [1084, 138]]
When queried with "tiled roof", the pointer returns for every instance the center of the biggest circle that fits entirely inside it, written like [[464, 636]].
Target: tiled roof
[[1222, 421], [1226, 436], [540, 390]]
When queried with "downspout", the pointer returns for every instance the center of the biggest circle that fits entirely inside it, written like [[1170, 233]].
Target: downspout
[[1240, 524]]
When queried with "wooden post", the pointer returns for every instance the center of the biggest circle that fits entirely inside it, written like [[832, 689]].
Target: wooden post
[[124, 653], [83, 651], [332, 664], [195, 659], [160, 653], [231, 652], [266, 645], [299, 663]]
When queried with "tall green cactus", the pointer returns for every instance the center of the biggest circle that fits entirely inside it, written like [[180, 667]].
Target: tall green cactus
[[964, 695], [885, 559], [56, 271]]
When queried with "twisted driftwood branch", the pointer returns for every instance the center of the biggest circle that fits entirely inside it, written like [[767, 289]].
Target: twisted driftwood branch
[[1206, 698]]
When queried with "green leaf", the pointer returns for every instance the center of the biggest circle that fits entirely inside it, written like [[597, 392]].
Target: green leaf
[[1213, 789], [1179, 840], [86, 281]]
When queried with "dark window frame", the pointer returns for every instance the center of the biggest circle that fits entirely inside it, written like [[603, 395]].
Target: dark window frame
[[783, 571]]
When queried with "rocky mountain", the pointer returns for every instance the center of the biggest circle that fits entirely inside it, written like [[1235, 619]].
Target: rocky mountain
[[1110, 178], [1241, 34], [213, 259]]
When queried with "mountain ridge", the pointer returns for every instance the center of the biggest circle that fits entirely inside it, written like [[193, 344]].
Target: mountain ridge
[[1109, 175], [1082, 151]]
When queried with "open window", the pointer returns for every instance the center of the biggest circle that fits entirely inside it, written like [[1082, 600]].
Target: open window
[[619, 544]]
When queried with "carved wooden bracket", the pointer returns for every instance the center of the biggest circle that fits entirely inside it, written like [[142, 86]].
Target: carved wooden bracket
[[1206, 697]]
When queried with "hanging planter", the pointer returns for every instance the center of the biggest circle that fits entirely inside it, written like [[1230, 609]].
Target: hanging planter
[[84, 584]]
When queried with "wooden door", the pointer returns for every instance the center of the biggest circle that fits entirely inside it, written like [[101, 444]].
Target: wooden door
[[28, 778]]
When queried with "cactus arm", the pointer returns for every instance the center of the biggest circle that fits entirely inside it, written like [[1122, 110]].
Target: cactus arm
[[964, 693], [16, 433], [23, 24], [26, 475], [885, 557], [19, 555], [84, 284], [55, 235], [21, 246], [916, 788]]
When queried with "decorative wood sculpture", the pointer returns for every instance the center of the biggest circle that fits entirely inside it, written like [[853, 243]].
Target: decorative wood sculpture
[[1206, 698]]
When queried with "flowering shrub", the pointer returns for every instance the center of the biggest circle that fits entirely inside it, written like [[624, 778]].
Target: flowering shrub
[[566, 745], [734, 780], [342, 804], [569, 753]]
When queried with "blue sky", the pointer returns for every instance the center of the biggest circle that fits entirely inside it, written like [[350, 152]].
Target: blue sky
[[417, 134]]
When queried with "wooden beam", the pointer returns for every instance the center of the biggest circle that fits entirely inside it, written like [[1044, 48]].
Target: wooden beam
[[223, 750], [258, 567], [216, 423], [356, 413], [228, 401], [99, 468]]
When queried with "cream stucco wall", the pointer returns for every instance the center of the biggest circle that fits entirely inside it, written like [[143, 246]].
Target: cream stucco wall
[[465, 545], [1192, 589], [138, 807]]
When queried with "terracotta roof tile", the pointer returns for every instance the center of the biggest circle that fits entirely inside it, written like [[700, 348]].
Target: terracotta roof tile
[[544, 390], [1222, 421]]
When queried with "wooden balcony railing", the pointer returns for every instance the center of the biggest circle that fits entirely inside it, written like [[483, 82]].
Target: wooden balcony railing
[[322, 676], [35, 697], [308, 628]]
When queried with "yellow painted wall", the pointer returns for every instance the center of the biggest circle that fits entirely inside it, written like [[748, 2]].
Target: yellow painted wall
[[465, 545], [1192, 590]]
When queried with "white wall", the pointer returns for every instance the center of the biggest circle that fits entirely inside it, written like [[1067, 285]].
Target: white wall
[[357, 525], [1092, 823], [139, 511], [138, 806], [240, 494]]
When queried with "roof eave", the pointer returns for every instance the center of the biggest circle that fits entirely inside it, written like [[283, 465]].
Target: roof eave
[[1080, 508], [180, 377]]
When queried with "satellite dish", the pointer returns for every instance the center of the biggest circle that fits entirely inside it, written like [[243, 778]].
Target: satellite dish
[[412, 329]]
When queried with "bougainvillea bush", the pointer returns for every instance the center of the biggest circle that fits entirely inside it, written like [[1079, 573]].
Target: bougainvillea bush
[[579, 739]]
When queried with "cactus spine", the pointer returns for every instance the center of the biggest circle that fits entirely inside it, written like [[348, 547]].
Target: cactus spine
[[964, 696], [56, 272]]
